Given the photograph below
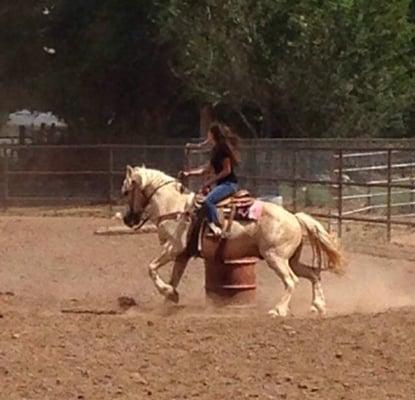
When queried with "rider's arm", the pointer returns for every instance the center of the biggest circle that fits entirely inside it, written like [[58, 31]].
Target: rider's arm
[[197, 145], [198, 171], [226, 170]]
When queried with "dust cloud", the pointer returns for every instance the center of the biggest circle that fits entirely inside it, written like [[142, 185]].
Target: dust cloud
[[370, 285]]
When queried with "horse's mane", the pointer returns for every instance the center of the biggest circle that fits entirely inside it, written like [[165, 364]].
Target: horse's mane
[[154, 178]]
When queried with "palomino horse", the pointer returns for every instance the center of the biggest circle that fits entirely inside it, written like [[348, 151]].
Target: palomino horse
[[276, 237]]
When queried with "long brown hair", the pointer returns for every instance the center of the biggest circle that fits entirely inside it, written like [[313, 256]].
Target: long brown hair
[[225, 137]]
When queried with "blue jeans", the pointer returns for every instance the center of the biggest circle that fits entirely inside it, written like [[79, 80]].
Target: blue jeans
[[219, 193]]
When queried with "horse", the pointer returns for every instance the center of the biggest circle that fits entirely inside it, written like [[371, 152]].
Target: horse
[[277, 237]]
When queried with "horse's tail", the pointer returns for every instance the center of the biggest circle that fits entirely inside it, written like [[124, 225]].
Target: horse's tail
[[326, 251]]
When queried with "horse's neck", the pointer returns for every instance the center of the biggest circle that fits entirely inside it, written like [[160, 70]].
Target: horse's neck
[[167, 199]]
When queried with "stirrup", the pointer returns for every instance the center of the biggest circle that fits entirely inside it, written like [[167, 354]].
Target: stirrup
[[215, 229]]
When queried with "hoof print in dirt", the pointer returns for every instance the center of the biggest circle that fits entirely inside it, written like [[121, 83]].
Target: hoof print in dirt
[[7, 294], [125, 302]]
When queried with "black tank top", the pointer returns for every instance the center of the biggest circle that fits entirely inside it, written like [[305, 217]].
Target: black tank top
[[219, 153]]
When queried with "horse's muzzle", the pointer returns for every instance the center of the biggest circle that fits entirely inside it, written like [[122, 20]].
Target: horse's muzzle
[[131, 218]]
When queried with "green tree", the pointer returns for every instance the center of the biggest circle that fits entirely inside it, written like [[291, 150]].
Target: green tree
[[96, 63], [117, 72], [325, 68], [20, 52], [294, 67]]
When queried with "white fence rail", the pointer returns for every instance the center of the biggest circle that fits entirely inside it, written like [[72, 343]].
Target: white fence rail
[[396, 166]]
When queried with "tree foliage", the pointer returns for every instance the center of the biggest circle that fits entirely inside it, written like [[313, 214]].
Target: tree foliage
[[96, 63], [293, 67], [333, 68], [20, 37]]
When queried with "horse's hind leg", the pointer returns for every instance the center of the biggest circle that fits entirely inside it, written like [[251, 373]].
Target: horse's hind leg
[[282, 268], [313, 275], [302, 270]]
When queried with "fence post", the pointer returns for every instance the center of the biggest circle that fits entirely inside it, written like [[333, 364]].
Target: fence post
[[369, 198], [294, 176], [6, 181], [254, 168], [389, 198], [369, 177], [412, 195], [186, 167], [340, 193], [110, 180], [329, 222]]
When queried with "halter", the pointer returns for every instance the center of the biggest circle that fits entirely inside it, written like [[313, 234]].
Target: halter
[[148, 199], [147, 203]]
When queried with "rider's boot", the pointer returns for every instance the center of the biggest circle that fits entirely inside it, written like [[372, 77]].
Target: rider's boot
[[216, 230]]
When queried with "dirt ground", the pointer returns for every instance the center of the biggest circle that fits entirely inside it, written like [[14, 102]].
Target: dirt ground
[[364, 349]]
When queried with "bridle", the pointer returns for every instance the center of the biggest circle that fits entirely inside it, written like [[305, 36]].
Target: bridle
[[146, 203]]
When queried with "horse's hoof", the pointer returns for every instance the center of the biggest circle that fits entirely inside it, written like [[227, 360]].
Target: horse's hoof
[[314, 309], [173, 297], [275, 313], [318, 309]]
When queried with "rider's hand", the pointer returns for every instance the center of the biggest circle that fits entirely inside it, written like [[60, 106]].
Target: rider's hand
[[183, 174], [205, 189]]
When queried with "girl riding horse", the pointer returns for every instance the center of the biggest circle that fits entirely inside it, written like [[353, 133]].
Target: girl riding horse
[[220, 170]]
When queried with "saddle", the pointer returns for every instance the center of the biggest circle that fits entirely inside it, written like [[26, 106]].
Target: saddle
[[239, 200], [236, 207]]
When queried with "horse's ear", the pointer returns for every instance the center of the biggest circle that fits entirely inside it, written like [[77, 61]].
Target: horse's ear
[[129, 171]]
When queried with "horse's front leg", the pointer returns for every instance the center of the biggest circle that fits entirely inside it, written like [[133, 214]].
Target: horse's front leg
[[179, 267], [166, 256]]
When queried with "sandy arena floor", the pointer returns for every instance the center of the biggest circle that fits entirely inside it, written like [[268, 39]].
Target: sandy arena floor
[[364, 349]]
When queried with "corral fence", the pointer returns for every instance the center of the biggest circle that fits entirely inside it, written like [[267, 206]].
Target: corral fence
[[76, 174], [369, 183]]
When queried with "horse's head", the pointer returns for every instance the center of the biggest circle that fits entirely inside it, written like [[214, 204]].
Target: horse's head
[[132, 189], [142, 186]]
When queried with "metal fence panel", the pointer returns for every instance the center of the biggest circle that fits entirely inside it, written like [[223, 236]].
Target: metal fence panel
[[368, 183]]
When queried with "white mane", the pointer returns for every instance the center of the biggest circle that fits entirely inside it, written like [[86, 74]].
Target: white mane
[[153, 178]]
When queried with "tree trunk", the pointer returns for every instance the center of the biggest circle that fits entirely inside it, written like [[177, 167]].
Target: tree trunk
[[266, 130], [206, 119]]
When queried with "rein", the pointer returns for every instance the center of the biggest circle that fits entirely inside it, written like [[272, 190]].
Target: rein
[[141, 224], [147, 203], [155, 191], [174, 216]]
